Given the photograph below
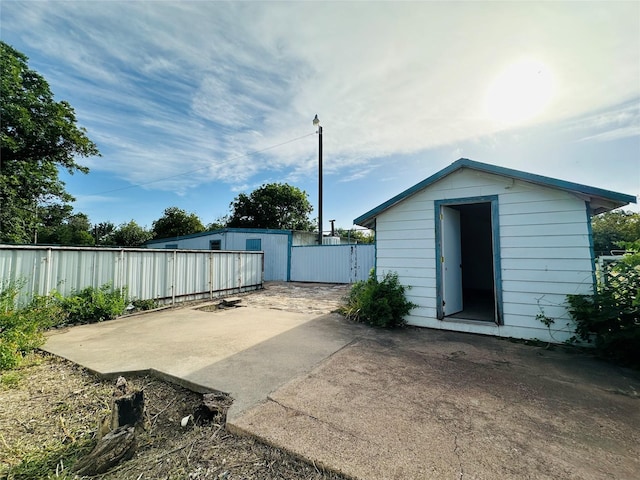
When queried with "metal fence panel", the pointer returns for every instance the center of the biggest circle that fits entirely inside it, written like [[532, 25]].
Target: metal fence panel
[[331, 263], [167, 276]]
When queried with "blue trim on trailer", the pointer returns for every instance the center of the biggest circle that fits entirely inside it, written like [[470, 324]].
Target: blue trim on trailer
[[623, 199], [221, 231], [495, 247]]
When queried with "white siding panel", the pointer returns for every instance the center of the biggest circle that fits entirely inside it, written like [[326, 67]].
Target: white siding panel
[[412, 234], [422, 264], [543, 218], [415, 252], [526, 230], [544, 288], [546, 206], [532, 298], [550, 276], [546, 264], [546, 241], [546, 253]]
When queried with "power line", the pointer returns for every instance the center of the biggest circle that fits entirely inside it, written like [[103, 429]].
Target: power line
[[205, 167]]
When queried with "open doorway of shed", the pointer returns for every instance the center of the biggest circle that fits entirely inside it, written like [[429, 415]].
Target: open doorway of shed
[[468, 240]]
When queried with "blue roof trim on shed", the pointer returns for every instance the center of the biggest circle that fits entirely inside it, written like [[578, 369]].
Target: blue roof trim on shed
[[221, 230], [620, 199]]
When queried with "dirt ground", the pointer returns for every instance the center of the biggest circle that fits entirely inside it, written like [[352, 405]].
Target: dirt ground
[[318, 298], [50, 410]]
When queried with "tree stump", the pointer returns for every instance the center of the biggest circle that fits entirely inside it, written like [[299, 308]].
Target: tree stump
[[114, 447], [116, 435]]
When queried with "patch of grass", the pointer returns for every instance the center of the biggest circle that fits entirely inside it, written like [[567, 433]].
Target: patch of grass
[[53, 461], [10, 379]]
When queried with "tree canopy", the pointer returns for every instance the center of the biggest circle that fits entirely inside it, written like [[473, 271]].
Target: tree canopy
[[130, 235], [356, 235], [610, 228], [176, 222], [60, 226], [37, 136], [274, 205]]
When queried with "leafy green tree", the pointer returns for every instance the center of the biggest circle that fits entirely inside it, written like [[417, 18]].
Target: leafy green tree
[[62, 227], [611, 228], [103, 233], [355, 235], [219, 224], [37, 137], [130, 235], [176, 222], [274, 205]]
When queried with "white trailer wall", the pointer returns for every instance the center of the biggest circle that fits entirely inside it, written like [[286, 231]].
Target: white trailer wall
[[274, 243]]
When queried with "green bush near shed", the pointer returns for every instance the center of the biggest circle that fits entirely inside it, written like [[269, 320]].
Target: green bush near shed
[[610, 318], [378, 303]]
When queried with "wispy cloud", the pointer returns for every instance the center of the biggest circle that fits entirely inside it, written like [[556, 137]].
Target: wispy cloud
[[172, 87], [617, 122]]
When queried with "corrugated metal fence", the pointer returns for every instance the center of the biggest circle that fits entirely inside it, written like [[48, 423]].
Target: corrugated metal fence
[[167, 276], [332, 263]]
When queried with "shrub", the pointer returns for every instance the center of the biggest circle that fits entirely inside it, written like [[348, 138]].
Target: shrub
[[378, 303], [21, 329], [142, 305], [91, 305], [610, 319]]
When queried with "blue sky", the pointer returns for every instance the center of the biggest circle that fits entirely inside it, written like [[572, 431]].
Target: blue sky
[[192, 103]]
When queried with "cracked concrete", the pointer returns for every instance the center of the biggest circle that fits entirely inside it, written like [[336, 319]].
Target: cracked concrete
[[419, 403]]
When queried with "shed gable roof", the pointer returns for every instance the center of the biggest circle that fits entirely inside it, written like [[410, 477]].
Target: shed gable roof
[[601, 200]]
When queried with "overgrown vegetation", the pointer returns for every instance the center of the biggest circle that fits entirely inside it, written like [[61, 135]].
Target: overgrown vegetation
[[91, 305], [378, 303], [610, 318], [22, 328]]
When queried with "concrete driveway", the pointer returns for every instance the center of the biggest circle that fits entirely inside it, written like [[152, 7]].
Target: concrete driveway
[[372, 404]]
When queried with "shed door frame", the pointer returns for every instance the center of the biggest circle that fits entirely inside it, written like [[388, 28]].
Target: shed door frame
[[495, 229]]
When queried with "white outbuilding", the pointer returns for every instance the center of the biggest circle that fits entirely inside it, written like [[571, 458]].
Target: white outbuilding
[[489, 250]]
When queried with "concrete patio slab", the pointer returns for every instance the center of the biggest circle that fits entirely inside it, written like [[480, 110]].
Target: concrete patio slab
[[245, 352]]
